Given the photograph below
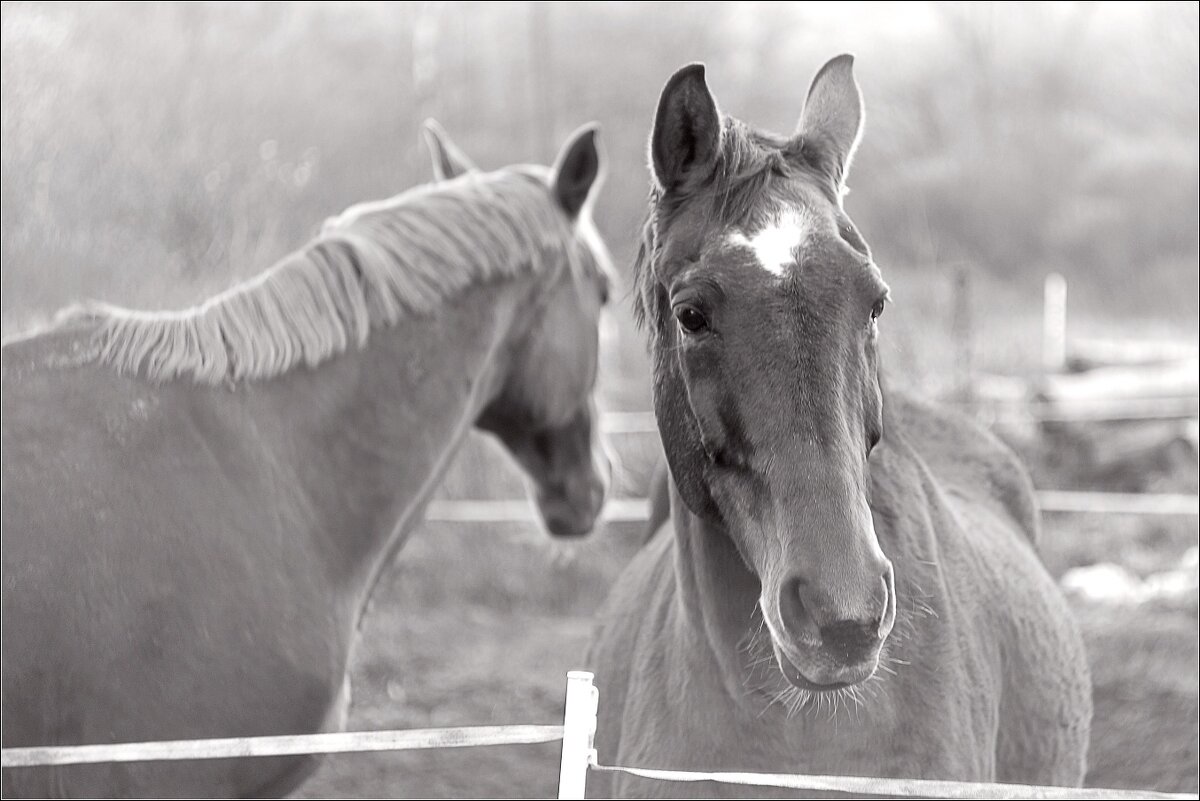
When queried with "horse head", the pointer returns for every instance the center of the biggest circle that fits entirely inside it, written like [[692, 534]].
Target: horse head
[[762, 301], [545, 414]]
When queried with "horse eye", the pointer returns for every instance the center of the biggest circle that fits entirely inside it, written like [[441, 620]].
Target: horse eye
[[691, 319], [877, 309]]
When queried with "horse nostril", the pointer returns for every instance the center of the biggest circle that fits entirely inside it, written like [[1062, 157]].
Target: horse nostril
[[797, 618]]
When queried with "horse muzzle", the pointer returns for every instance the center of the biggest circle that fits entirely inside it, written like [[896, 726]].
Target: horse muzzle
[[571, 507], [820, 651], [821, 669]]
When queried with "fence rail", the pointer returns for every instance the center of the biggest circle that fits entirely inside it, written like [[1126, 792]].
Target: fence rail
[[636, 510], [579, 757], [1126, 503], [583, 701], [285, 745], [895, 788], [626, 510], [1078, 410]]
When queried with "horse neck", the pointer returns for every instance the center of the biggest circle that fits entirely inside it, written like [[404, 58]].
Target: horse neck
[[715, 599], [377, 428]]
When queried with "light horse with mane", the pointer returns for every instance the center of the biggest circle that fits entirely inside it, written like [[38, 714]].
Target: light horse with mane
[[197, 504], [848, 582]]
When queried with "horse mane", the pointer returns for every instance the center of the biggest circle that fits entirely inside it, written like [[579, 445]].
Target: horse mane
[[745, 187], [373, 266]]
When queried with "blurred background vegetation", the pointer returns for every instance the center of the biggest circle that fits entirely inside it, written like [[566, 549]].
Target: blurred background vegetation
[[153, 153]]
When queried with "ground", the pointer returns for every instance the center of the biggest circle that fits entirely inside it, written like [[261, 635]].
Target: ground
[[464, 665], [446, 645]]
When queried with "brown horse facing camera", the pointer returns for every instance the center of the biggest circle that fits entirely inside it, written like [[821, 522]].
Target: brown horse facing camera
[[848, 581]]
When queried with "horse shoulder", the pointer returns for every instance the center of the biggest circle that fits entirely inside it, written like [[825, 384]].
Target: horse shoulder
[[144, 498], [1045, 671], [967, 460], [1013, 621], [1008, 600], [1045, 704]]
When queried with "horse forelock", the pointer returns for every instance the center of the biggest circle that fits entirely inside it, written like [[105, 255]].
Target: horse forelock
[[747, 186], [375, 265]]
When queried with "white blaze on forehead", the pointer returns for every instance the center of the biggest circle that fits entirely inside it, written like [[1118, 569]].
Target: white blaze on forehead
[[775, 244]]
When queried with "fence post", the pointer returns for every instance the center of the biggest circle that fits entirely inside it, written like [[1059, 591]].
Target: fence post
[[1054, 323], [579, 727], [963, 337]]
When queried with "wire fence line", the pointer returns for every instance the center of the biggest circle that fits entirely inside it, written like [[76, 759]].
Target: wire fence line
[[578, 756], [474, 736], [284, 745], [632, 510], [1081, 410], [902, 788], [1092, 411], [637, 510], [1129, 503], [617, 510]]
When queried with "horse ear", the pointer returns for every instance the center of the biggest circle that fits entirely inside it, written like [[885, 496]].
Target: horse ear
[[576, 169], [448, 160], [833, 112], [687, 131]]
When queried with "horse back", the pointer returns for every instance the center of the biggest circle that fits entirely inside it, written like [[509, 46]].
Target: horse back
[[145, 529]]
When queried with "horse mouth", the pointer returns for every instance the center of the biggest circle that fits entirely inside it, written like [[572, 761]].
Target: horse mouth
[[568, 518], [821, 675], [569, 528], [571, 507]]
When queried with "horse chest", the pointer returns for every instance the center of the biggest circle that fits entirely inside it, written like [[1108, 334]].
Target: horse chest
[[890, 734]]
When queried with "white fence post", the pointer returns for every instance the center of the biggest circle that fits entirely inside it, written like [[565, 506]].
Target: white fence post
[[1054, 323], [579, 727]]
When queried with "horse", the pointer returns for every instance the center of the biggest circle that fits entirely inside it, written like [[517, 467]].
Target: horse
[[849, 582], [198, 503], [658, 497]]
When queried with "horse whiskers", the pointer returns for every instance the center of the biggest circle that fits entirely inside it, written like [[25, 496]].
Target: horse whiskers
[[762, 676], [870, 688], [856, 696], [913, 588], [752, 640], [799, 700], [793, 700], [925, 609], [775, 697], [755, 609], [749, 645]]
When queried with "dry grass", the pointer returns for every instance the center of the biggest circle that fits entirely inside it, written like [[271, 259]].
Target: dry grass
[[478, 624], [452, 642]]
